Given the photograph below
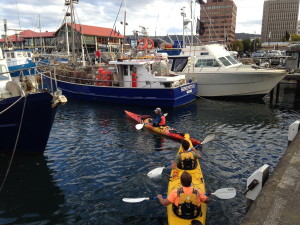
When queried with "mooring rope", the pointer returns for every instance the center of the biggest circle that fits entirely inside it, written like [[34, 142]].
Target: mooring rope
[[11, 105], [15, 147]]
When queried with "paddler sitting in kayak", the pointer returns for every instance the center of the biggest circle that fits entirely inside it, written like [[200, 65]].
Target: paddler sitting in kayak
[[160, 118], [186, 200], [187, 159]]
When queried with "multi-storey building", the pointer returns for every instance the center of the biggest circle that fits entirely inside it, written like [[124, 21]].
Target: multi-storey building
[[279, 18], [219, 18]]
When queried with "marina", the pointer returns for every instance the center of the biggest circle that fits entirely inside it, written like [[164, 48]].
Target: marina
[[95, 157], [156, 130]]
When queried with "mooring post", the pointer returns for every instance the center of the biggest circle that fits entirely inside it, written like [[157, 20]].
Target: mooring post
[[277, 92], [271, 96]]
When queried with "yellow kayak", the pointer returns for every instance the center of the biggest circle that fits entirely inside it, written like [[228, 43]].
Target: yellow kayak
[[197, 182]]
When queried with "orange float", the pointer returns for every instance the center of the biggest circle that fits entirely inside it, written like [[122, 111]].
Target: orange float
[[104, 77]]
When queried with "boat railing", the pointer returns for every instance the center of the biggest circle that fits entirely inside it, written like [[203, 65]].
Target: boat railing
[[239, 67], [22, 71]]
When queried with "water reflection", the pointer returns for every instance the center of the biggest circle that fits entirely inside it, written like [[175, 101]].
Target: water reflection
[[29, 193]]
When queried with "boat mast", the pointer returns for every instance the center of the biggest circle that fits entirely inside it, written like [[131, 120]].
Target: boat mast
[[124, 41], [72, 28], [183, 14]]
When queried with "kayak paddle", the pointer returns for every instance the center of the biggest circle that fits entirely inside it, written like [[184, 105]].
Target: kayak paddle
[[207, 139], [157, 171], [223, 193], [135, 200], [141, 125]]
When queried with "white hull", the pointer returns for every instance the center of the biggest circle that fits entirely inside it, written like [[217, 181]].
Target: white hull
[[243, 82], [219, 74]]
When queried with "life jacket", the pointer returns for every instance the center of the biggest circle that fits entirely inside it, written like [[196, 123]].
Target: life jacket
[[187, 206], [187, 161], [162, 121]]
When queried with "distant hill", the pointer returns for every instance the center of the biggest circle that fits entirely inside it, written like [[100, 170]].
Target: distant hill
[[158, 39], [242, 36]]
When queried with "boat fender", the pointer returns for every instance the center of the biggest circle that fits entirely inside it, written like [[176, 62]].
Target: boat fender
[[256, 181], [293, 131], [60, 99], [13, 88]]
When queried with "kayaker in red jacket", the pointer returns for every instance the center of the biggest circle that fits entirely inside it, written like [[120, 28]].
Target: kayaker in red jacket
[[183, 207], [160, 119]]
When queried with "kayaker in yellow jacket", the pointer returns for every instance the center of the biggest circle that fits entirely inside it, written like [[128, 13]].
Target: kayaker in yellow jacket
[[186, 160], [186, 200]]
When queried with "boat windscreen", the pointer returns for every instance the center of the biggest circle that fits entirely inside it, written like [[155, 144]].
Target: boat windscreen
[[231, 59], [207, 63], [179, 64], [224, 61], [3, 73]]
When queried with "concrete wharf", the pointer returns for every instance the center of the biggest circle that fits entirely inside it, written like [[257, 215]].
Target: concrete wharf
[[279, 200]]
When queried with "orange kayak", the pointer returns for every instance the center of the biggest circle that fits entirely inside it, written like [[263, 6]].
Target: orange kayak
[[164, 130]]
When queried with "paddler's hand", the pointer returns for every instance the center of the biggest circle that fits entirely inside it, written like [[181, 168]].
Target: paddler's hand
[[159, 197], [163, 201], [174, 165], [197, 153]]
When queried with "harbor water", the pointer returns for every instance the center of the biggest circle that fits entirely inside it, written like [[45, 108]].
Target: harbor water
[[95, 157]]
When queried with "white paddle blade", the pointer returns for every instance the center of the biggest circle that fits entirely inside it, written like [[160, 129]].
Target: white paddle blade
[[155, 172], [134, 200], [139, 126], [208, 139], [225, 193]]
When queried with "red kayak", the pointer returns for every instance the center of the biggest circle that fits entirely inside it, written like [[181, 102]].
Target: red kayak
[[165, 130]]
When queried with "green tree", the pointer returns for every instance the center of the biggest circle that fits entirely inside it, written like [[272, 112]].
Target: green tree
[[247, 44], [295, 37], [237, 46]]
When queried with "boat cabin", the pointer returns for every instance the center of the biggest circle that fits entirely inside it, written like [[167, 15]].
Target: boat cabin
[[207, 56], [18, 57], [4, 77], [146, 74]]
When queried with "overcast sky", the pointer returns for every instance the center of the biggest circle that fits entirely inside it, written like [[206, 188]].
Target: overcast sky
[[161, 17]]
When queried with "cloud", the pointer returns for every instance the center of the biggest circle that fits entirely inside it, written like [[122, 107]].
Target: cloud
[[159, 16]]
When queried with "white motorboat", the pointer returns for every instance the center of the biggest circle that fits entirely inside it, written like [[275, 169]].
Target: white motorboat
[[219, 74]]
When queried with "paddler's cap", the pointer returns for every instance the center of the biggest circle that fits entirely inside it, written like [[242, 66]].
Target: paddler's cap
[[157, 110]]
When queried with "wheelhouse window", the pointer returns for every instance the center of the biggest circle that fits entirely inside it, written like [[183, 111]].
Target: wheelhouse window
[[3, 73], [224, 61], [232, 60], [179, 64], [207, 63]]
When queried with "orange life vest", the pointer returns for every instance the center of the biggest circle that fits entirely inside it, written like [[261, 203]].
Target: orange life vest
[[163, 121]]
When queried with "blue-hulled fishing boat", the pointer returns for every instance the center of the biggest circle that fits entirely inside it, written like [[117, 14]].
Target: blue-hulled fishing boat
[[26, 114], [132, 81]]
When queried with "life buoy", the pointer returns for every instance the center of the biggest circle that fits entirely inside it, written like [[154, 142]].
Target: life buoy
[[143, 44], [150, 43]]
